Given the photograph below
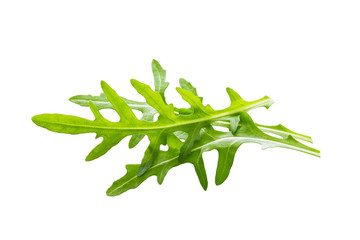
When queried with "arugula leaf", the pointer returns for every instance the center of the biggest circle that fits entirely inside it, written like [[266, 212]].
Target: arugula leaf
[[167, 122], [187, 132], [225, 143], [101, 102]]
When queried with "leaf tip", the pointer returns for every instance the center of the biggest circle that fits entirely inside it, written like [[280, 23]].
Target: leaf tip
[[317, 153], [230, 90], [160, 180], [104, 86], [181, 91], [155, 64], [269, 102], [183, 83], [218, 181], [234, 96], [72, 99], [89, 158], [39, 119], [110, 192], [131, 145], [135, 82], [34, 119]]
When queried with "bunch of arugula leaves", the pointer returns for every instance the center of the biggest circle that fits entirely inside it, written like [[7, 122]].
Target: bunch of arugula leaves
[[188, 132]]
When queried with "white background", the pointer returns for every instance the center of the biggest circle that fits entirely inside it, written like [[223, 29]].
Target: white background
[[303, 54]]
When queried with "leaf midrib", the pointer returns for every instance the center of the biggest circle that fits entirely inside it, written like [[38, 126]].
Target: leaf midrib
[[174, 125]]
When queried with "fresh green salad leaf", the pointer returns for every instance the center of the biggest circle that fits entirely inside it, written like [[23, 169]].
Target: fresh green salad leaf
[[188, 132], [225, 143]]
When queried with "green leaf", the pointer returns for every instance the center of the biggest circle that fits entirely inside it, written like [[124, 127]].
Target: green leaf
[[149, 112], [101, 102], [159, 79], [187, 132], [167, 122], [225, 143]]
